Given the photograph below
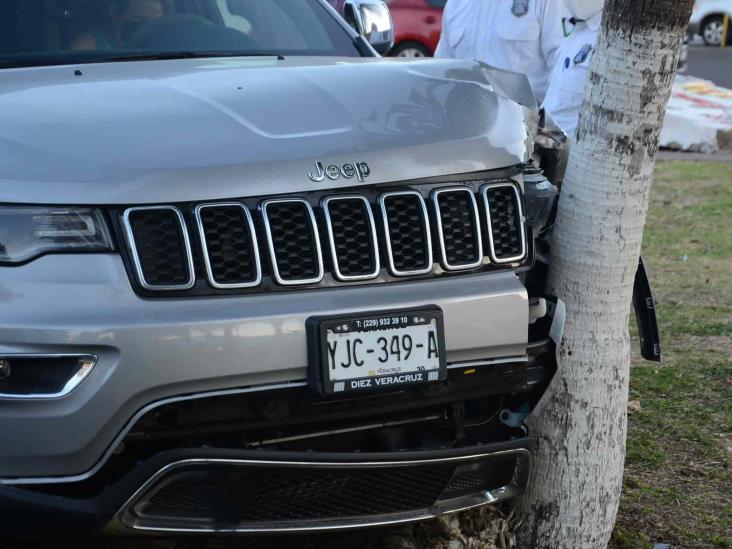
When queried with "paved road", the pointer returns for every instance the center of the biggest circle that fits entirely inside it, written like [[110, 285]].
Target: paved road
[[713, 64]]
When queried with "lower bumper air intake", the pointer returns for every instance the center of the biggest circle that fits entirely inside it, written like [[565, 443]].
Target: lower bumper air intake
[[252, 495]]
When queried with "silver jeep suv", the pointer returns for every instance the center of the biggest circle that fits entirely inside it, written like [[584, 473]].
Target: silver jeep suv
[[254, 278]]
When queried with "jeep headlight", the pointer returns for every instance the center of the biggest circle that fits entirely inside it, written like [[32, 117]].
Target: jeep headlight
[[27, 232]]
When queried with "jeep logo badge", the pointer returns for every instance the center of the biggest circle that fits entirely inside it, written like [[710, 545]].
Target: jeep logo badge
[[359, 170]]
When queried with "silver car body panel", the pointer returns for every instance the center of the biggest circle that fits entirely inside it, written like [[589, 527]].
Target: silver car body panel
[[162, 132], [152, 349]]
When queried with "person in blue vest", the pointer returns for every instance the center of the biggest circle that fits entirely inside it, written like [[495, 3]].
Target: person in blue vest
[[567, 84]]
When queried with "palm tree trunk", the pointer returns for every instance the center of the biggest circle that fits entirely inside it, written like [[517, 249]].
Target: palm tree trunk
[[581, 423]]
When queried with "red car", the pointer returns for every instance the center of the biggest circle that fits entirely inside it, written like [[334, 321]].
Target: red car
[[417, 24]]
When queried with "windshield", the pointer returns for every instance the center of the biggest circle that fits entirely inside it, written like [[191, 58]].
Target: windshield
[[35, 32]]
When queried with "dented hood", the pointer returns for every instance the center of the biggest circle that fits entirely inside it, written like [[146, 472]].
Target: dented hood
[[202, 129]]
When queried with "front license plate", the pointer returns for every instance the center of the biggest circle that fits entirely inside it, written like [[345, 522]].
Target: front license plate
[[376, 351]]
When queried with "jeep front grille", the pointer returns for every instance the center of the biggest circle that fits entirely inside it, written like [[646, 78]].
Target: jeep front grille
[[506, 234], [352, 237], [229, 245], [293, 241], [320, 239], [458, 226], [407, 233], [160, 247]]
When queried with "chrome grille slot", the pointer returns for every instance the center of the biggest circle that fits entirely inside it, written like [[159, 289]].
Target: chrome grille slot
[[229, 245], [506, 227], [369, 235], [293, 241], [352, 237], [458, 228], [407, 233], [161, 251]]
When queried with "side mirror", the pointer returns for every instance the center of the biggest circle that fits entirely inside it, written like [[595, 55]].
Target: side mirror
[[372, 20]]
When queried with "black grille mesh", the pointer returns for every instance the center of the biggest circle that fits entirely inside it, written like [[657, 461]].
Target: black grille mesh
[[407, 231], [296, 254], [352, 236], [459, 228], [471, 480], [506, 223], [189, 498], [272, 496], [342, 494], [159, 240], [229, 244], [268, 495]]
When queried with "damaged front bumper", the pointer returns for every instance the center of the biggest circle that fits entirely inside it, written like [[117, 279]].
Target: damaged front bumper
[[304, 462]]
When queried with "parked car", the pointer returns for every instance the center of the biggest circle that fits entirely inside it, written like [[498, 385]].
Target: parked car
[[255, 278], [417, 26], [707, 20]]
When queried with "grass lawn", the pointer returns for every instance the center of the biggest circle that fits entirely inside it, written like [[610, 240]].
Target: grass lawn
[[678, 479]]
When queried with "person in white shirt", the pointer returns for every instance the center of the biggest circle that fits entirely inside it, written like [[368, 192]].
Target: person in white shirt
[[567, 85], [517, 35]]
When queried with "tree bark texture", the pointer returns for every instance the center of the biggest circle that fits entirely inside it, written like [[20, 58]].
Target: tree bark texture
[[580, 423]]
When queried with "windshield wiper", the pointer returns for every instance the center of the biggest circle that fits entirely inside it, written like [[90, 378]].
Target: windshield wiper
[[125, 57], [161, 56], [38, 62]]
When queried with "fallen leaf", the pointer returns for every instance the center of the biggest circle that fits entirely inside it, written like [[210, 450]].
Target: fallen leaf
[[634, 406]]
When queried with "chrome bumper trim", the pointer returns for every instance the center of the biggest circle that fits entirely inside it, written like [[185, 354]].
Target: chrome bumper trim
[[86, 365], [438, 509]]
